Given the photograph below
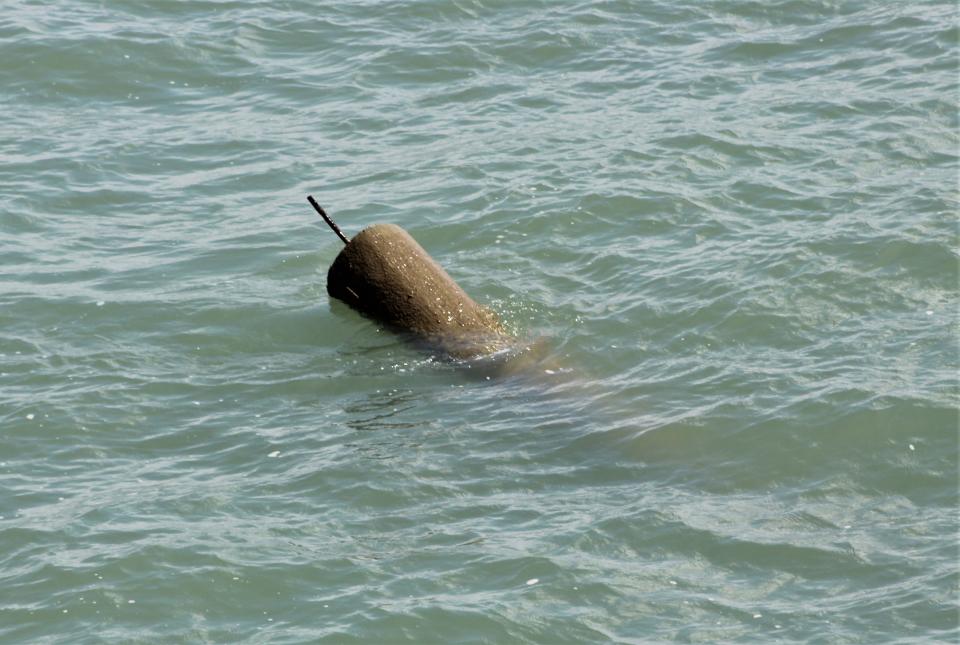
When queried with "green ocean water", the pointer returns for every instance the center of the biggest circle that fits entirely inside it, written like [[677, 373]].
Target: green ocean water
[[733, 224]]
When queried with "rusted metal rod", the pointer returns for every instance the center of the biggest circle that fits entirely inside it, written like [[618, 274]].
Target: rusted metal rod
[[326, 218]]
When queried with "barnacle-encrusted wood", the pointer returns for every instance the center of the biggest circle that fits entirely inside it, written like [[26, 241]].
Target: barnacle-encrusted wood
[[383, 273]]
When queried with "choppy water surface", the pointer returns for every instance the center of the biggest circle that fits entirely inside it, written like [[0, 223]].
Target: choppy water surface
[[734, 222]]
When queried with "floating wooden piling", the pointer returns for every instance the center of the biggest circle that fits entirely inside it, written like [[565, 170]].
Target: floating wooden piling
[[385, 274]]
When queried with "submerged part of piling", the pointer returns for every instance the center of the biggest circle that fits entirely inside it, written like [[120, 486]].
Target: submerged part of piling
[[383, 273]]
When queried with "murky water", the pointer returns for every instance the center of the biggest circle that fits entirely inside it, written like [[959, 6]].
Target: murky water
[[732, 224]]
